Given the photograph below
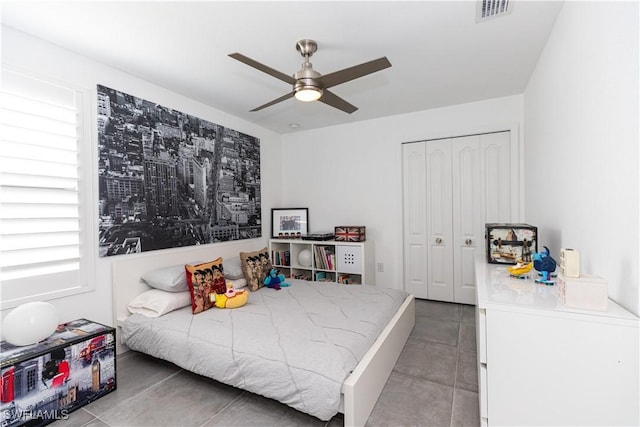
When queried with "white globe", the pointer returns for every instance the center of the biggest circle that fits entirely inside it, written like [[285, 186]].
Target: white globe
[[304, 258], [30, 323]]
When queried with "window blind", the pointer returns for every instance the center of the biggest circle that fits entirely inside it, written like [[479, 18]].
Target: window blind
[[41, 190]]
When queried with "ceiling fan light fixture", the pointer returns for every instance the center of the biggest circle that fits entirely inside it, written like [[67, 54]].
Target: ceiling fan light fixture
[[308, 93]]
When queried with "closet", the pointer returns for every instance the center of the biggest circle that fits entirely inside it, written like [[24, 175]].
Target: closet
[[451, 188]]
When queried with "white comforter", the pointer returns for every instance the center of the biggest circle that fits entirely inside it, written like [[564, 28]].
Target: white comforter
[[296, 345]]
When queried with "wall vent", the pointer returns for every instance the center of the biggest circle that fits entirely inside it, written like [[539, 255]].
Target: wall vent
[[488, 9]]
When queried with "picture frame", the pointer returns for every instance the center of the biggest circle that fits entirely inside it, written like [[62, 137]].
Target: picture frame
[[289, 223]]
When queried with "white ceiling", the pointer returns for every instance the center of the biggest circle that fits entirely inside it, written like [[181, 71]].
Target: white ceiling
[[439, 54]]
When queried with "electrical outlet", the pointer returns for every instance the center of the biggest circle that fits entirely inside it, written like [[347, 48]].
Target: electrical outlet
[[380, 267]]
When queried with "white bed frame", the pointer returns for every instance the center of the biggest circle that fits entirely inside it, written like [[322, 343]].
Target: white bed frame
[[360, 390]]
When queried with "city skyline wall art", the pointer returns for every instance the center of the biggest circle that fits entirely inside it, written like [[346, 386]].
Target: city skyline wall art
[[168, 179]]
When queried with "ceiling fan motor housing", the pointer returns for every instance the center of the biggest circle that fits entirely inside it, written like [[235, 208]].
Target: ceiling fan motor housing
[[305, 78]]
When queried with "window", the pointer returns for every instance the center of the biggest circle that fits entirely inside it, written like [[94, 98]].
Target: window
[[46, 239]]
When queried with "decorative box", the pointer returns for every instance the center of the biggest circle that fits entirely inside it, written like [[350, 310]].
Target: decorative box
[[586, 292], [350, 233], [507, 243], [570, 262], [44, 382]]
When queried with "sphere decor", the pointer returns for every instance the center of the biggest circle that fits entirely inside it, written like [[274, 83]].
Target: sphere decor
[[30, 323], [304, 258]]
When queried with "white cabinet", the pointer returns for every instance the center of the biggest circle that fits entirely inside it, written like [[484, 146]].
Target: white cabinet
[[334, 261], [541, 363], [451, 188]]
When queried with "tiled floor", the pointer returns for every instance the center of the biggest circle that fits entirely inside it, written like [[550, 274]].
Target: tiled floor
[[434, 383]]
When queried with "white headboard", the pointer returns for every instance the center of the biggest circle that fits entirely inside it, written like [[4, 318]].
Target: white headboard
[[126, 273]]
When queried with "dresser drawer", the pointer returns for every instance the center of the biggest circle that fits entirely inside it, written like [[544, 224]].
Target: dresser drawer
[[481, 334]]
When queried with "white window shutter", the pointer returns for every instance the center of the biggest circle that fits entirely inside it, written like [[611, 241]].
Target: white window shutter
[[44, 252]]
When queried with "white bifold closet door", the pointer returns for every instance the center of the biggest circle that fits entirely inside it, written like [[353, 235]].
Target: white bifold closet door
[[451, 188]]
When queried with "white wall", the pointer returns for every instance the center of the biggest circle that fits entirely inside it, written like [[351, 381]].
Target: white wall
[[581, 149], [352, 174], [45, 59]]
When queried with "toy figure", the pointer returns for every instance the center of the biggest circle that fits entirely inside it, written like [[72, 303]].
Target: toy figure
[[521, 269], [230, 299], [545, 265], [275, 280]]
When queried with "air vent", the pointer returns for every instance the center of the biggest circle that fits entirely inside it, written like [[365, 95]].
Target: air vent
[[488, 9]]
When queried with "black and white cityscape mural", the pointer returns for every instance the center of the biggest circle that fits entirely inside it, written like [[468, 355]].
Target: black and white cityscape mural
[[168, 179]]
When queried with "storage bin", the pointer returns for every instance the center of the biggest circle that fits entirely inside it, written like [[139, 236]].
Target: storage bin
[[587, 292], [44, 382], [507, 243], [350, 233]]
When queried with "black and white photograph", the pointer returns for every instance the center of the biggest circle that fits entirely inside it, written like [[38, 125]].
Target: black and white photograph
[[290, 222], [168, 179]]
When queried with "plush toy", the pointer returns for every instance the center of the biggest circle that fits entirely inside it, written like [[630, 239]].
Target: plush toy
[[230, 299], [545, 265], [275, 280], [521, 269]]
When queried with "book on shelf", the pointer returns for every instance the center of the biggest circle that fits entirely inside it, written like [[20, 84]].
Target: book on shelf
[[281, 257], [331, 261], [301, 275], [318, 256], [325, 257], [321, 276], [347, 279]]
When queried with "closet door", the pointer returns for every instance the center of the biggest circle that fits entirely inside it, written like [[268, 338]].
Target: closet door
[[439, 220], [451, 188], [468, 221], [495, 172], [414, 214]]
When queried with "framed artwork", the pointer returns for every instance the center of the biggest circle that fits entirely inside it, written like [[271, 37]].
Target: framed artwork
[[168, 179], [290, 223]]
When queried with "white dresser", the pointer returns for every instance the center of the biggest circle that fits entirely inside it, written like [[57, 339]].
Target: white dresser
[[542, 364]]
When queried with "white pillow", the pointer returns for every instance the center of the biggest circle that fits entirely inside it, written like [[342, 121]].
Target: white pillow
[[170, 279], [237, 283], [232, 268], [155, 303]]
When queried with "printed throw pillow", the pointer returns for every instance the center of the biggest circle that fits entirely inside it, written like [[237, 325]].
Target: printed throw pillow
[[204, 279], [255, 266]]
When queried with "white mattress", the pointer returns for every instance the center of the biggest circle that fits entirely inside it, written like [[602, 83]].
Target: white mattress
[[296, 345]]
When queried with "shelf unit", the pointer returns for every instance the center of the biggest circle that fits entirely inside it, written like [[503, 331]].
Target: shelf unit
[[328, 260]]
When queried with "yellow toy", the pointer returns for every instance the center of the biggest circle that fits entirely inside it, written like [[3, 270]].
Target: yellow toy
[[520, 269], [230, 299]]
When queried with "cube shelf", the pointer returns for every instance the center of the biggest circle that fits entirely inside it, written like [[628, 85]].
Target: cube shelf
[[324, 261]]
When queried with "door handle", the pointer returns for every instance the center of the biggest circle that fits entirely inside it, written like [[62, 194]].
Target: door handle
[[468, 242], [438, 241]]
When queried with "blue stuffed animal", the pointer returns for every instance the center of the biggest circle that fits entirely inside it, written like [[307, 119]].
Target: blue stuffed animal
[[545, 264], [275, 280]]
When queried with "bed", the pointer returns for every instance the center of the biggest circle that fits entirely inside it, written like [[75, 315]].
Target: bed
[[362, 379]]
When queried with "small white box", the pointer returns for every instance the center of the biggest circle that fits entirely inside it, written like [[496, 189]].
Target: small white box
[[570, 262], [586, 292]]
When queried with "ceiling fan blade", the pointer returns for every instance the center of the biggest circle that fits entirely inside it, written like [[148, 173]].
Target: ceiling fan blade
[[351, 73], [265, 69], [275, 101], [335, 101]]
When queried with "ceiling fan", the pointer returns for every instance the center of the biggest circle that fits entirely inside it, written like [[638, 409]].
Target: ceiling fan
[[309, 85]]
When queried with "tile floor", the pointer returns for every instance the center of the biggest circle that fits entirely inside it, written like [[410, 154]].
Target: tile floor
[[434, 383]]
